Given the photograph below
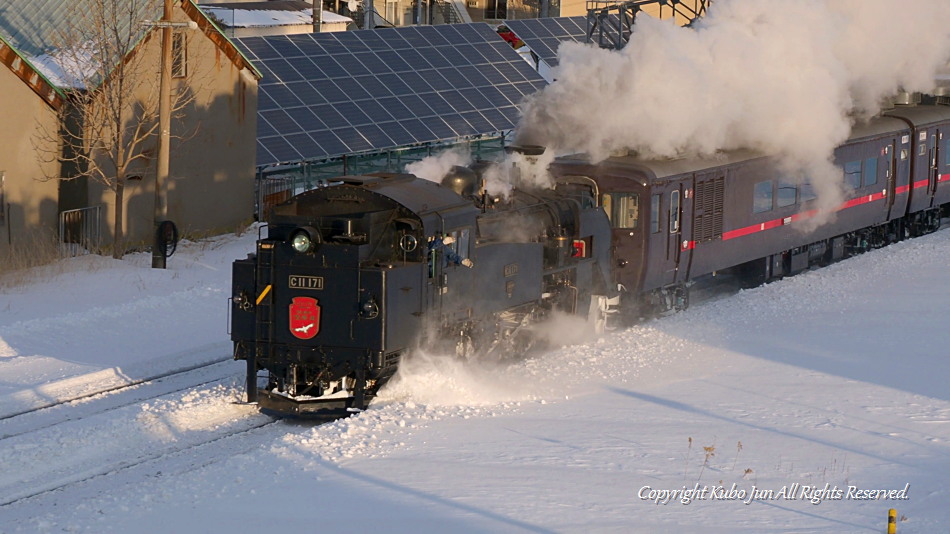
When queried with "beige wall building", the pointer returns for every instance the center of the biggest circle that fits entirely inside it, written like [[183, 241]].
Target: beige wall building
[[212, 149], [28, 207]]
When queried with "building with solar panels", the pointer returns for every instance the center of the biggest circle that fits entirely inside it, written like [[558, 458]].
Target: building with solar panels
[[46, 192], [605, 23], [371, 100]]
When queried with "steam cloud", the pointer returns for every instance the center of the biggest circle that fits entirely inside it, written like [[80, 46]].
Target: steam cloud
[[780, 77], [435, 167]]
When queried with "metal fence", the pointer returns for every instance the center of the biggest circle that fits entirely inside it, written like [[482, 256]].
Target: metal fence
[[80, 231]]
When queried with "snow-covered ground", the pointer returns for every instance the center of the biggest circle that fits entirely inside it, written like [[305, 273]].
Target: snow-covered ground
[[801, 394]]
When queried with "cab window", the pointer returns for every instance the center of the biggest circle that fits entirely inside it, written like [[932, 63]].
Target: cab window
[[461, 238], [623, 209]]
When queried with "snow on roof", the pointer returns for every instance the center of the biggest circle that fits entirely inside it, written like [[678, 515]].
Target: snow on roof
[[261, 18], [69, 70]]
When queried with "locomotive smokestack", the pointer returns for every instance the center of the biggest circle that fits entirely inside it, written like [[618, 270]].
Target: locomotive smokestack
[[529, 165], [529, 151]]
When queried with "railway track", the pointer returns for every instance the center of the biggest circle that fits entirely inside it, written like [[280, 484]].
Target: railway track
[[113, 397], [101, 431], [228, 445], [117, 384]]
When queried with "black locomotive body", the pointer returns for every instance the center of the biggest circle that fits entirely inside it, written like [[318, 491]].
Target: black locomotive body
[[350, 276]]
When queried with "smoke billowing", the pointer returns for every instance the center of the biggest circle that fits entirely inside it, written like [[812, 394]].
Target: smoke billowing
[[784, 78], [434, 168]]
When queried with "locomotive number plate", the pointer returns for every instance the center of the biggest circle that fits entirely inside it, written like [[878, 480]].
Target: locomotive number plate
[[305, 282], [511, 269]]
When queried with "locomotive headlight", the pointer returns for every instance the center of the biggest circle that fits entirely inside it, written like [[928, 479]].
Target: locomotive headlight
[[302, 243], [304, 239], [369, 309]]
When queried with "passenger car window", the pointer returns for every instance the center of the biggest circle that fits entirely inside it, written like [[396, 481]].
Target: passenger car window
[[870, 171], [654, 214], [807, 192], [623, 209], [852, 174], [787, 194], [674, 212], [762, 197]]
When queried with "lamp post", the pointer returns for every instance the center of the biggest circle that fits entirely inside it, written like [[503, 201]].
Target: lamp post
[[164, 126], [317, 16]]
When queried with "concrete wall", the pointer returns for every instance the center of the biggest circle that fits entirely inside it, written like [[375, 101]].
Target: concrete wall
[[212, 162], [30, 205]]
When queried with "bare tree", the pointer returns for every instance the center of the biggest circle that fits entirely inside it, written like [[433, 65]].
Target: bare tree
[[110, 122]]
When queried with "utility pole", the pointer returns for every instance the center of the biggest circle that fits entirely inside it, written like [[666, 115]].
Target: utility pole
[[369, 15], [164, 135], [164, 126]]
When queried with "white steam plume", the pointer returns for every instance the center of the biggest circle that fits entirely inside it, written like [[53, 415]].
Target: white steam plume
[[436, 166], [783, 77], [519, 170]]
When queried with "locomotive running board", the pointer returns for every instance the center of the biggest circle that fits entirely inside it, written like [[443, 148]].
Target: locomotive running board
[[283, 406]]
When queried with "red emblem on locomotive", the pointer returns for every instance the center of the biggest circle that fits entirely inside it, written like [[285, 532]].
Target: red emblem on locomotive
[[304, 317]]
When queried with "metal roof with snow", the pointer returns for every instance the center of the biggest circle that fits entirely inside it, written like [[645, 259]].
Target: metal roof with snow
[[34, 30]]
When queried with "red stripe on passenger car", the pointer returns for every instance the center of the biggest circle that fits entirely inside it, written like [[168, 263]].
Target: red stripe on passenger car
[[944, 178], [921, 183], [775, 223]]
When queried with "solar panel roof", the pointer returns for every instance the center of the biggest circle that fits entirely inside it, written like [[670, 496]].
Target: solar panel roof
[[543, 36], [324, 95]]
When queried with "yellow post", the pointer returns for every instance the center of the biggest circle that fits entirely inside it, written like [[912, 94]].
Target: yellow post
[[892, 521]]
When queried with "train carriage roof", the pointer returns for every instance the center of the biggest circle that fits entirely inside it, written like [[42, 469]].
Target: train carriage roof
[[660, 169], [921, 115]]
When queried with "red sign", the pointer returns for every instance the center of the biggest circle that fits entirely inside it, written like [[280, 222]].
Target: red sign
[[304, 317]]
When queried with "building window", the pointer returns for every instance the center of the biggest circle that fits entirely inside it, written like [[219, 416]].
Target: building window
[[654, 214], [179, 56], [852, 174], [496, 9], [762, 197], [870, 171], [623, 209]]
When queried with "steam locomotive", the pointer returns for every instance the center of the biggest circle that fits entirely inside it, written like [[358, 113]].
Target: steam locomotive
[[351, 276]]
